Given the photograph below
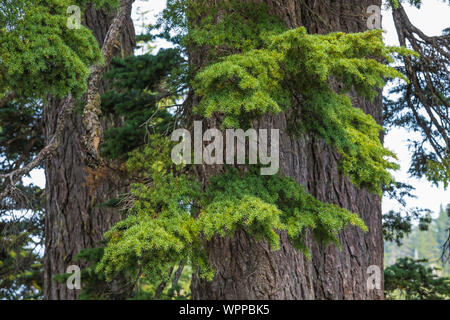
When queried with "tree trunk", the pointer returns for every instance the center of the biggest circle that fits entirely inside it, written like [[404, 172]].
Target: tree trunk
[[246, 268], [72, 220]]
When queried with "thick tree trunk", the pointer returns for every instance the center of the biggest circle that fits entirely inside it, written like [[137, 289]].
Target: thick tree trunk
[[246, 268], [72, 220]]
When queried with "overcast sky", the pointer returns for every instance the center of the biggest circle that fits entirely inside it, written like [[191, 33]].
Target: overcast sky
[[432, 19]]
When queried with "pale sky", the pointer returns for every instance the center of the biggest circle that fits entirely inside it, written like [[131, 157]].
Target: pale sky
[[432, 18]]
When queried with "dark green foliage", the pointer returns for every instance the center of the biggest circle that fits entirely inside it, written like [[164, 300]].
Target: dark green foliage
[[409, 279], [415, 3], [138, 85], [420, 244]]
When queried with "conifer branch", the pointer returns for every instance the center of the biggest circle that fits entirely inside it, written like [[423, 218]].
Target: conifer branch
[[91, 111]]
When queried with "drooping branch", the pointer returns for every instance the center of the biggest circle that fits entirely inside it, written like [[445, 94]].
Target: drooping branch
[[91, 110], [429, 78]]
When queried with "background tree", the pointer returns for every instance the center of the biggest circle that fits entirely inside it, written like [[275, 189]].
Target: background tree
[[409, 279], [274, 64], [255, 271], [420, 106], [423, 103], [41, 35], [423, 245]]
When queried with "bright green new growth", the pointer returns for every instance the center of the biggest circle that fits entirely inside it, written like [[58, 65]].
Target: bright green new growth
[[293, 69], [39, 54], [264, 204], [171, 217]]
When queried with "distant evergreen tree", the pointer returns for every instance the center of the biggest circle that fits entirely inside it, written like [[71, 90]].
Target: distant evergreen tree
[[409, 279], [138, 83], [427, 245], [22, 211]]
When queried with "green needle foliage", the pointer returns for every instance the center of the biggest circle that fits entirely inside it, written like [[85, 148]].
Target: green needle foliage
[[409, 279], [170, 217], [136, 91], [294, 64], [39, 54]]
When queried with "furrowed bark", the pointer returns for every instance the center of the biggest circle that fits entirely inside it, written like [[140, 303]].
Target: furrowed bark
[[73, 220], [248, 269]]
